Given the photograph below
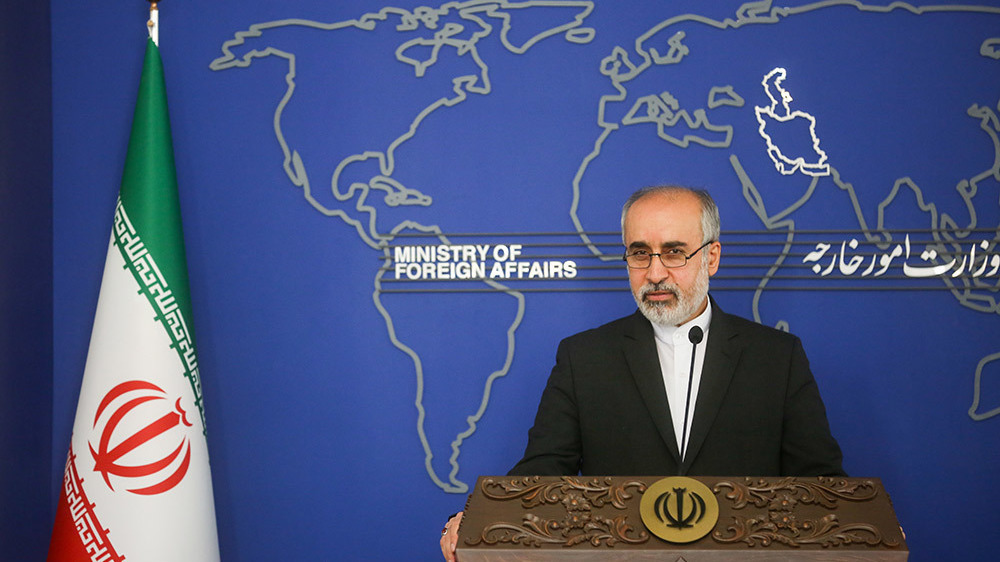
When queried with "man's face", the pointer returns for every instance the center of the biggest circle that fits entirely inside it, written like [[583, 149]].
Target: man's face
[[670, 222]]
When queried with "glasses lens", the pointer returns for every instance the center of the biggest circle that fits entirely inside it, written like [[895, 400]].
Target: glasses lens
[[673, 260], [638, 260]]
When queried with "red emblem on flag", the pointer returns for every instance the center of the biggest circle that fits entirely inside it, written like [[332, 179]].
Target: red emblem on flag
[[143, 442]]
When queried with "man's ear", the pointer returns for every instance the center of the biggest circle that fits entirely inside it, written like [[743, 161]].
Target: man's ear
[[714, 257]]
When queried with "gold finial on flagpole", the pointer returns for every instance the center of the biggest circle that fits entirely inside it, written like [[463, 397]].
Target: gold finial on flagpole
[[154, 20]]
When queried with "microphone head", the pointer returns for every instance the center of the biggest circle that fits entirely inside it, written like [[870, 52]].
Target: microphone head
[[696, 335]]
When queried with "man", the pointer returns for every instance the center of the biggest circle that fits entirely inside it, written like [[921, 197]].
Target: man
[[628, 398]]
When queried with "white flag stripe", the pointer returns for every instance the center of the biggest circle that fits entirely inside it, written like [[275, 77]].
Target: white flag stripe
[[129, 343]]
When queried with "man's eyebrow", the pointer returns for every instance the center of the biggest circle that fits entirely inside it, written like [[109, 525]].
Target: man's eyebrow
[[670, 245]]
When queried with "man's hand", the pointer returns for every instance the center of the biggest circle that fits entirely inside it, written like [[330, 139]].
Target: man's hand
[[449, 537]]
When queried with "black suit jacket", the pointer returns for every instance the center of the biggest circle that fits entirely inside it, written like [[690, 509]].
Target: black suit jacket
[[605, 411]]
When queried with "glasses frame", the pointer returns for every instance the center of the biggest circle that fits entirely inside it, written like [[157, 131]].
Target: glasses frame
[[660, 256]]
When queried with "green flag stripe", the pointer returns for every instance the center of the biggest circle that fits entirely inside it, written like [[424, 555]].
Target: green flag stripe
[[147, 227], [149, 182], [140, 262]]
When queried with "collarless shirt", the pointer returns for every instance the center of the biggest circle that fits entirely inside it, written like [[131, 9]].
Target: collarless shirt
[[674, 351]]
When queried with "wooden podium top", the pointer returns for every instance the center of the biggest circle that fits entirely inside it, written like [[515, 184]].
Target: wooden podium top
[[679, 519]]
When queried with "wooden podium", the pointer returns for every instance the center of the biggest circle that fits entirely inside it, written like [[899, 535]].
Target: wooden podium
[[679, 519]]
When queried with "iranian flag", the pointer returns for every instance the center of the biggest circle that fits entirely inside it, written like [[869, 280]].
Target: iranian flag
[[137, 484]]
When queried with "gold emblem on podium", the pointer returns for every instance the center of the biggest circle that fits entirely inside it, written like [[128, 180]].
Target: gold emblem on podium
[[679, 509]]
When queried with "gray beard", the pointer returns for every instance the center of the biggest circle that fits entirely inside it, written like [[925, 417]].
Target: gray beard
[[683, 307]]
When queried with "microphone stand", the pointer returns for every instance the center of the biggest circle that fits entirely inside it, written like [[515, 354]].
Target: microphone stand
[[694, 336]]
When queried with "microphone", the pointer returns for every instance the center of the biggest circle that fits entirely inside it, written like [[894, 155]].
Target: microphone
[[694, 336]]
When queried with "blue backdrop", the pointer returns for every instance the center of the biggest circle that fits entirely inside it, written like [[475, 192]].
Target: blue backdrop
[[25, 278], [853, 150]]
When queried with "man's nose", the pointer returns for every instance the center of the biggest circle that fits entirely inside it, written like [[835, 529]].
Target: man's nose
[[657, 271]]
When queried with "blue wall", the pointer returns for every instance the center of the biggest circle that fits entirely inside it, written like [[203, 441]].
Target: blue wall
[[25, 279], [334, 397]]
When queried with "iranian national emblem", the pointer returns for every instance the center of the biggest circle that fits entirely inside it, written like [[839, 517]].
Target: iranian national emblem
[[143, 439], [679, 509]]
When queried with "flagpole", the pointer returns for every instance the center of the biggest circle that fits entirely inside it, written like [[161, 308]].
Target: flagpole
[[154, 22]]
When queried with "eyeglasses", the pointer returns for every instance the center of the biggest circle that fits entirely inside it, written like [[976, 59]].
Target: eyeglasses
[[642, 259]]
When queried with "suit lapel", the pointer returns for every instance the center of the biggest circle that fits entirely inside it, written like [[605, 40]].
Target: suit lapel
[[644, 364], [721, 357]]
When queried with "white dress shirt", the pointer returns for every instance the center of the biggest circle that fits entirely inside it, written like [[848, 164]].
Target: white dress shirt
[[674, 350]]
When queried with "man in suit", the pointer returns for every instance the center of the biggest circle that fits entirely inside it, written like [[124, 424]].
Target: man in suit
[[679, 387]]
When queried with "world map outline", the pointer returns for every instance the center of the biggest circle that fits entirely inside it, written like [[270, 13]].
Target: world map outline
[[620, 70]]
